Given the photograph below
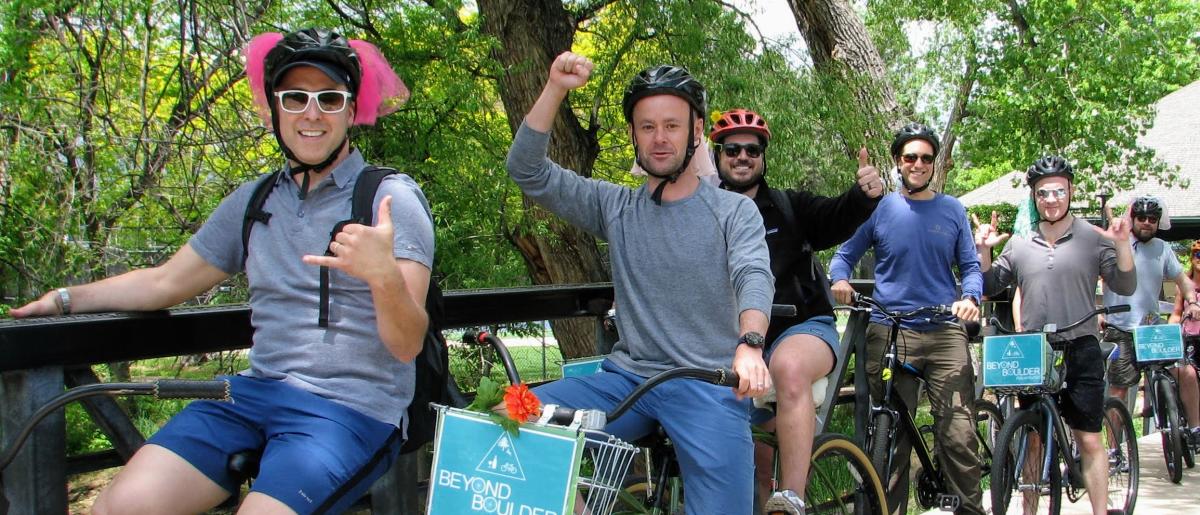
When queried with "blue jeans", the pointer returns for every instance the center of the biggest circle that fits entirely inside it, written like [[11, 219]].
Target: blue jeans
[[709, 427]]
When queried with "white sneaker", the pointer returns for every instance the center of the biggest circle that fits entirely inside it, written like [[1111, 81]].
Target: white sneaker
[[784, 502]]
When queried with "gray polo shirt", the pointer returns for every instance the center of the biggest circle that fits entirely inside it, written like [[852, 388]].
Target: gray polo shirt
[[345, 362], [1058, 283], [1154, 261], [683, 271]]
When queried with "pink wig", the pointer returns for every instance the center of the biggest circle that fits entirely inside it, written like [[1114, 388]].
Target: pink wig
[[380, 91]]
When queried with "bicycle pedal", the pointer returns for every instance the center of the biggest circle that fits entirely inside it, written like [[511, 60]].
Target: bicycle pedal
[[948, 502]]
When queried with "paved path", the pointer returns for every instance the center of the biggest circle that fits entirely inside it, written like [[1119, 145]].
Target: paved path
[[1156, 493]]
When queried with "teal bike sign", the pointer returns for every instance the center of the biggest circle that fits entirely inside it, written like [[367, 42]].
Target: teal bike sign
[[1163, 342], [1016, 360], [580, 367], [478, 467]]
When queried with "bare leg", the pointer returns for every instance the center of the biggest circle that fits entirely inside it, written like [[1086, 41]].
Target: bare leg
[[158, 481], [799, 360], [1189, 393], [1095, 469]]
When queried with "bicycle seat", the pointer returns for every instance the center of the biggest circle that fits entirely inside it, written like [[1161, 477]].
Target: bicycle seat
[[818, 394], [243, 465]]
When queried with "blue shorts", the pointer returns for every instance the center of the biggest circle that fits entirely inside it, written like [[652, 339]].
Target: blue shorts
[[823, 327], [708, 426], [317, 455]]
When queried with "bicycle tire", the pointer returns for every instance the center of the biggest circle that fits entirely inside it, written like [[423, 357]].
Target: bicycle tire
[[1168, 426], [1010, 453], [841, 479], [988, 422], [880, 446], [1124, 462], [636, 498]]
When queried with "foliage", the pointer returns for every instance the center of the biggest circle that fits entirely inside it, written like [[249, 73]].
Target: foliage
[[1073, 78]]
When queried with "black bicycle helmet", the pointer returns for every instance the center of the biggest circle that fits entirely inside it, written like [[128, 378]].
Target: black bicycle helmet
[[914, 131], [1147, 206], [325, 50], [1048, 166], [665, 79], [321, 48]]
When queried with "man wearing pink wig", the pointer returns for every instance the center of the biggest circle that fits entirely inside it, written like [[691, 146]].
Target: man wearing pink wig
[[331, 371]]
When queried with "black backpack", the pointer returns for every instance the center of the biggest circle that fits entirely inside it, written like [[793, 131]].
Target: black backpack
[[433, 380]]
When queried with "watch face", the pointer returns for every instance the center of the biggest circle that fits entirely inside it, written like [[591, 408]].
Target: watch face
[[753, 339]]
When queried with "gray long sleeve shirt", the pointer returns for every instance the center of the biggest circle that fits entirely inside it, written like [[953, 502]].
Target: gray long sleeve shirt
[[1058, 282], [683, 271]]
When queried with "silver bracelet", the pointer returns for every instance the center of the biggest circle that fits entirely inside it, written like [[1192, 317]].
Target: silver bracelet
[[64, 299]]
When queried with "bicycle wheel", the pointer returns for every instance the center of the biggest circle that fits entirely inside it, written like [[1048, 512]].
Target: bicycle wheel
[[1017, 468], [841, 479], [1121, 443], [879, 446], [637, 497], [988, 422], [1167, 416]]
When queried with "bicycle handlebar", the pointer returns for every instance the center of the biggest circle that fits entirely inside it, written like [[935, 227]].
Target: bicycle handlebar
[[940, 309], [595, 419], [1054, 329], [484, 337], [214, 389]]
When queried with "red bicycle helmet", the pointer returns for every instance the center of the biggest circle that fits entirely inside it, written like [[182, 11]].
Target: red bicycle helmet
[[740, 120]]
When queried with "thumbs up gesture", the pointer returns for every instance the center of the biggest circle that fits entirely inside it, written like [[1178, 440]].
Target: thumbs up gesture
[[363, 251], [868, 176]]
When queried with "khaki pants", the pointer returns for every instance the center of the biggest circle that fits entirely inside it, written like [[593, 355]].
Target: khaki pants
[[943, 357]]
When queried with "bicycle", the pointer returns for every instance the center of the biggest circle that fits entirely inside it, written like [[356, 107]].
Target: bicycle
[[882, 428], [217, 389], [1166, 410], [1028, 462]]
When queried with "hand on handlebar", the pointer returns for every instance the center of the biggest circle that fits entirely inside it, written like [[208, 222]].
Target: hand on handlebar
[[842, 292], [755, 379], [965, 310]]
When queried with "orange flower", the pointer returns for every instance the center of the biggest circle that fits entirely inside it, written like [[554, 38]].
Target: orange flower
[[521, 403]]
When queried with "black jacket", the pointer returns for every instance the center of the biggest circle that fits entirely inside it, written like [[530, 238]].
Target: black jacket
[[820, 223]]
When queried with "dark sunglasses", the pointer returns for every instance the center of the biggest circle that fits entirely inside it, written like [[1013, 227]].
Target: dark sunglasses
[[1196, 254], [912, 158], [732, 150], [1148, 219]]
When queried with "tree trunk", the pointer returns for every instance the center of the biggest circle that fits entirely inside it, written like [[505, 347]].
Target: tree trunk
[[530, 34], [966, 84], [838, 42]]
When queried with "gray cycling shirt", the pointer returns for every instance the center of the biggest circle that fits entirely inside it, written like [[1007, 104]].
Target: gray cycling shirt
[[1058, 282], [1154, 261], [683, 271], [345, 362]]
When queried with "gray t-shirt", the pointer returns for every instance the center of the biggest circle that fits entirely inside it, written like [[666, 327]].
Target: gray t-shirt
[[682, 271], [1154, 261], [345, 362], [1058, 283]]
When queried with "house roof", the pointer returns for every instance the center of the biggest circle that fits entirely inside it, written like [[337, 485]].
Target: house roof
[[1174, 138]]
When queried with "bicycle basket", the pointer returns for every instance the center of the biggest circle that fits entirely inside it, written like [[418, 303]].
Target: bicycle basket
[[478, 467], [1021, 364]]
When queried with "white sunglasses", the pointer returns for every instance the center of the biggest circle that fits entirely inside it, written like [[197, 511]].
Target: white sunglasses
[[330, 101]]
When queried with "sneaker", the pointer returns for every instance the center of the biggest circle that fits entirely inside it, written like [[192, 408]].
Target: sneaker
[[1195, 435], [784, 502]]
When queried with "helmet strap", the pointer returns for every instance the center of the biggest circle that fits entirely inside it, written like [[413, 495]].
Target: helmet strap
[[908, 187], [672, 176], [302, 167]]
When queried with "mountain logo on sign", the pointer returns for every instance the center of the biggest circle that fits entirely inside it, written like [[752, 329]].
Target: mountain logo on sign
[[1013, 351], [502, 460]]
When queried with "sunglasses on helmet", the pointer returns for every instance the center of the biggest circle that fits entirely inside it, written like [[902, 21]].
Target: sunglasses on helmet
[[732, 150]]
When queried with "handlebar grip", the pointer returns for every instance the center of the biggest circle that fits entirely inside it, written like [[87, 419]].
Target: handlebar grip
[[562, 415], [727, 378], [217, 389], [1120, 308], [473, 337]]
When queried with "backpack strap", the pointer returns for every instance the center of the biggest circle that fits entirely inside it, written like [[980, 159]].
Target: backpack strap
[[254, 209], [361, 203]]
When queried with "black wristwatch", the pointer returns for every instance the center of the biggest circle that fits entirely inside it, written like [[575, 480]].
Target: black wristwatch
[[752, 340]]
